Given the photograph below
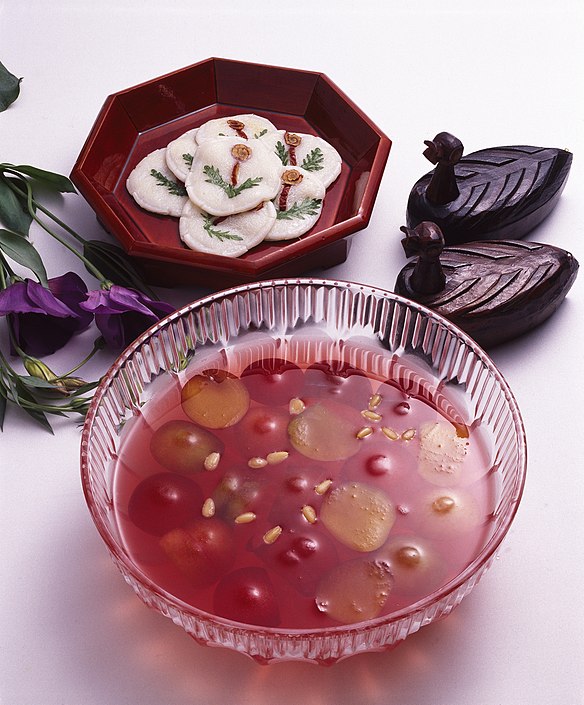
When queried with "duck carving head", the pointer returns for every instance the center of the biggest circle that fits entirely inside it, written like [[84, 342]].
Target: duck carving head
[[425, 241], [444, 149]]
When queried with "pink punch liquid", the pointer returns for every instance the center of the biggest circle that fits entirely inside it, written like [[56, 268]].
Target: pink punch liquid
[[302, 485]]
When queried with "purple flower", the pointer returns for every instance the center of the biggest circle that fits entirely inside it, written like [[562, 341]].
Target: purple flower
[[122, 314], [44, 320]]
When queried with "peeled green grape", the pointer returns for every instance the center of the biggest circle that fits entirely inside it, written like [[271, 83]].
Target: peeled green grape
[[355, 591], [359, 516], [182, 446], [326, 431], [215, 399]]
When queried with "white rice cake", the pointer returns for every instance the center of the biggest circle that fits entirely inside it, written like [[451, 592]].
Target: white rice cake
[[231, 237], [230, 176], [180, 154], [154, 187], [306, 152], [298, 205], [245, 127]]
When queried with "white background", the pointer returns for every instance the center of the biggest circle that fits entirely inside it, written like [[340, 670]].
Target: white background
[[493, 73]]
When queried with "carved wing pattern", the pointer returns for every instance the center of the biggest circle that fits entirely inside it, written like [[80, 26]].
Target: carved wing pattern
[[504, 192], [497, 289]]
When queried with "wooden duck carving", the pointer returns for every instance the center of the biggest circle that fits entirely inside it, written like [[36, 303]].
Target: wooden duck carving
[[494, 290], [496, 193]]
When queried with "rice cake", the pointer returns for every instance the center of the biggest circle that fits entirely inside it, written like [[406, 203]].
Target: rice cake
[[298, 203], [231, 236], [180, 153], [230, 176], [245, 127], [154, 187], [307, 152]]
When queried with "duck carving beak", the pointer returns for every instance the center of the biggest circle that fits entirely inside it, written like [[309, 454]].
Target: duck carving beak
[[411, 242], [432, 153]]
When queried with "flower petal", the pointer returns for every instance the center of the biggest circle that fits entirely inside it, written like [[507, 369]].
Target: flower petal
[[121, 314], [29, 296]]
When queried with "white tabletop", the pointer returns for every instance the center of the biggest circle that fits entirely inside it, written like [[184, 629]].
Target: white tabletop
[[492, 73]]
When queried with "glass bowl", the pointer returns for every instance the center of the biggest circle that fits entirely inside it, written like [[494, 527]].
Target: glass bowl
[[427, 357]]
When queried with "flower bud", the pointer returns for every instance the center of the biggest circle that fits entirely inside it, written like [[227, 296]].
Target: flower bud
[[72, 383], [37, 368]]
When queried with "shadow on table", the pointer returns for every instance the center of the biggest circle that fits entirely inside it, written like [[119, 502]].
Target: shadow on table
[[108, 647]]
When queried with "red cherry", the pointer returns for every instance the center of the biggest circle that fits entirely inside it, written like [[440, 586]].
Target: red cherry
[[342, 382], [163, 502], [378, 464], [297, 484], [247, 595], [238, 492], [403, 408], [272, 381], [302, 559], [263, 430], [203, 551], [294, 489]]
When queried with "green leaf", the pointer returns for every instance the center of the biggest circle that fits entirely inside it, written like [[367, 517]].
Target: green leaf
[[3, 405], [37, 383], [13, 213], [173, 187], [215, 178], [261, 133], [188, 159], [313, 161], [20, 250], [309, 206], [9, 87], [29, 404], [218, 234], [282, 153], [55, 181]]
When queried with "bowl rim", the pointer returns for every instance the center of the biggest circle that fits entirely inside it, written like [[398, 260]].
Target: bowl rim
[[482, 560]]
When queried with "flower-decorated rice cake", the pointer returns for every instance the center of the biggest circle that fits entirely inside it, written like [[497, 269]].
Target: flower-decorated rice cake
[[230, 176]]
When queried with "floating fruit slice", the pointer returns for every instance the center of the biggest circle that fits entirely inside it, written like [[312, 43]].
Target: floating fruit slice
[[441, 454], [358, 516], [355, 591], [182, 446], [247, 595], [203, 551], [215, 399], [326, 431], [163, 502]]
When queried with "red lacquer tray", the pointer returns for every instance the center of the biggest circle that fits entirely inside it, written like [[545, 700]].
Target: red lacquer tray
[[138, 120]]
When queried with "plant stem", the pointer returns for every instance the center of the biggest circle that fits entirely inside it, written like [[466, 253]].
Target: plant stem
[[97, 346], [32, 204]]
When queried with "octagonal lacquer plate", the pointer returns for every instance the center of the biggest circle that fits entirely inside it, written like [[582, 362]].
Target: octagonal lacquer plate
[[138, 120]]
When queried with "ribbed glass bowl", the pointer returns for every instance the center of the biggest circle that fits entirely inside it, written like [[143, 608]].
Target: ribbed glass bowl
[[385, 328]]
